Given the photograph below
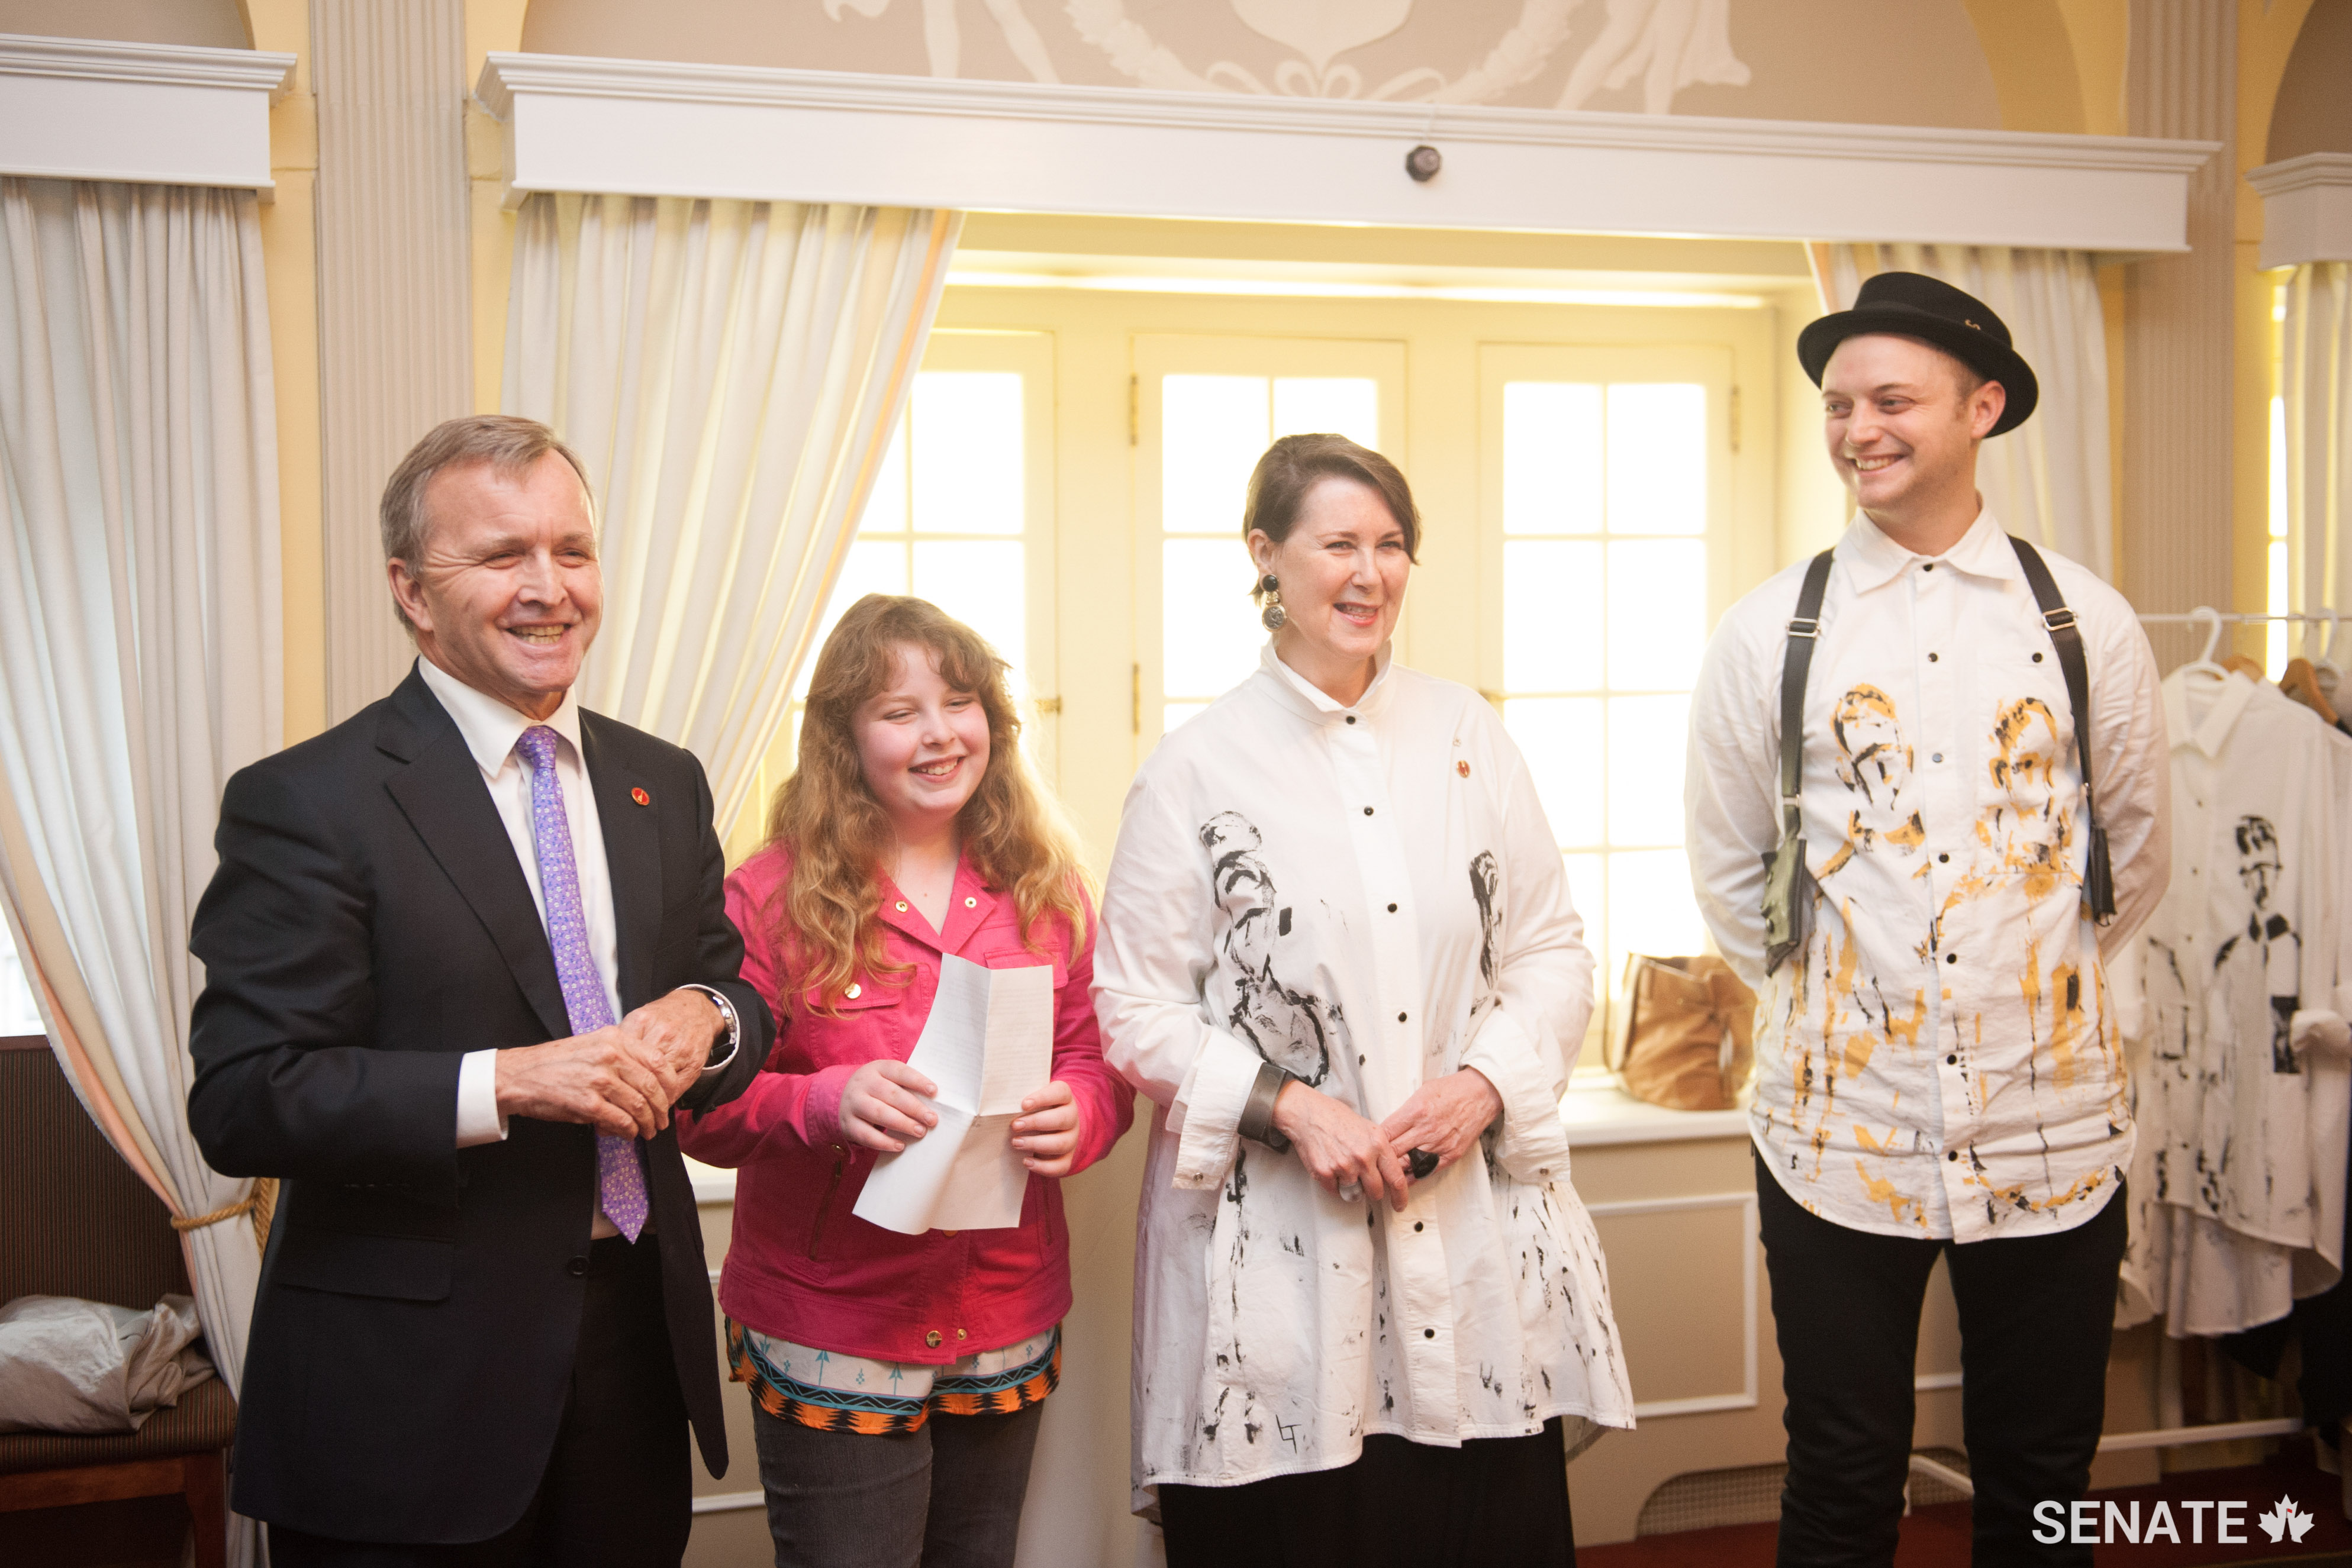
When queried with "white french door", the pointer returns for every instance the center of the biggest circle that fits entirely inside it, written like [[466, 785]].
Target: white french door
[[1206, 408]]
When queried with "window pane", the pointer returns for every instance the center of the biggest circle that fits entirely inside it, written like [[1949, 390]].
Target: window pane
[[1657, 459], [18, 1012], [1657, 614], [1551, 458], [873, 567], [1318, 406], [1551, 616], [1588, 889], [1650, 909], [968, 452], [1173, 714], [1561, 740], [885, 507], [982, 586], [1209, 633], [1213, 431], [1647, 739]]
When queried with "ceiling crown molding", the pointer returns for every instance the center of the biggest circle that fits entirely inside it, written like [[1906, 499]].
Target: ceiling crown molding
[[88, 109], [2307, 208], [660, 128]]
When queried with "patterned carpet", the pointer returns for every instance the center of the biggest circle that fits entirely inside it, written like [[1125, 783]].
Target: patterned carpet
[[1937, 1536]]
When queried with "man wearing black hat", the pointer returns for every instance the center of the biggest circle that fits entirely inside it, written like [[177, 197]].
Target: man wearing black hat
[[1919, 879]]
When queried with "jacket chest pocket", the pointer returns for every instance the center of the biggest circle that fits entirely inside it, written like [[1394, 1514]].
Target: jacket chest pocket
[[869, 1022], [1022, 959]]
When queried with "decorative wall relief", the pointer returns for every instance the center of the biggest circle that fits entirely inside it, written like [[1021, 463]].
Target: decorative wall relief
[[943, 35], [1667, 44], [1672, 43], [1791, 59]]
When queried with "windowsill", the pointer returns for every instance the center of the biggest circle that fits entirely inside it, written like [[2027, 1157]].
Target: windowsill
[[1599, 1113], [713, 1183]]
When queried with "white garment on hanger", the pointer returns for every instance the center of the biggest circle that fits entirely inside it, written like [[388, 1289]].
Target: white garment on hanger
[[2233, 1003]]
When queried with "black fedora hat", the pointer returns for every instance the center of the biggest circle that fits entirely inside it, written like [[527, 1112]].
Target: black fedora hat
[[1915, 305]]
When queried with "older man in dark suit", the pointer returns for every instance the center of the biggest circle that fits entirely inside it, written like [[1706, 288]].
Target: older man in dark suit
[[465, 952]]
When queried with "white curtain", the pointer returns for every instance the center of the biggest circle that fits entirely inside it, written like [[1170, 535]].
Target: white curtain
[[2315, 387], [730, 371], [2050, 480], [140, 653]]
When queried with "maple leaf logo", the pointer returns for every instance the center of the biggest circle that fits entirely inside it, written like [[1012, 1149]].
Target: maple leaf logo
[[2285, 1519]]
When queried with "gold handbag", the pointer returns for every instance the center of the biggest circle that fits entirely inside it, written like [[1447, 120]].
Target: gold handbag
[[1685, 1033]]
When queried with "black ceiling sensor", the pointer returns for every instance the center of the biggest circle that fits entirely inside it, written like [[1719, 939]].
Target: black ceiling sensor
[[1423, 162]]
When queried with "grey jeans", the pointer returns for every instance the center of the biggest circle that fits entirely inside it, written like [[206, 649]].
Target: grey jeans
[[947, 1495]]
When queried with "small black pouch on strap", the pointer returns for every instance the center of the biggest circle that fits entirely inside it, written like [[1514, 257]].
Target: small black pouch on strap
[[1789, 884], [2098, 877]]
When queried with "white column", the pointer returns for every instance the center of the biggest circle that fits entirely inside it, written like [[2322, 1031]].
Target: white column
[[394, 308], [2181, 81]]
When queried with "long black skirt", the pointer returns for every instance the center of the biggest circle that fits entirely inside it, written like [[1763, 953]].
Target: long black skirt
[[1492, 1502]]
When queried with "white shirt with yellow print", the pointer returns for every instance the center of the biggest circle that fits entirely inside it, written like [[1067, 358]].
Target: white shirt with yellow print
[[1940, 1060]]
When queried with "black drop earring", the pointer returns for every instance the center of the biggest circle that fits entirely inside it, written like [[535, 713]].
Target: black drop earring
[[1272, 616]]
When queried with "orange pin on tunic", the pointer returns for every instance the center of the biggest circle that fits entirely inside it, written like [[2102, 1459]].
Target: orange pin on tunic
[[641, 798], [1462, 768]]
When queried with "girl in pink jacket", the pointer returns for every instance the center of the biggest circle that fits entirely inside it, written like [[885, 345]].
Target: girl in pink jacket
[[897, 1380]]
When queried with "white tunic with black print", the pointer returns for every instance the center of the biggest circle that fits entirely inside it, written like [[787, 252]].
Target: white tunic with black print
[[1940, 1058], [2233, 1001], [1371, 897]]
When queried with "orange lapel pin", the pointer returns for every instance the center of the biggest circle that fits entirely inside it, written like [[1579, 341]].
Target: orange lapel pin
[[641, 798]]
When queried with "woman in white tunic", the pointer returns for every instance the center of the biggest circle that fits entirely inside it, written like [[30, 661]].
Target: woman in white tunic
[[1337, 952]]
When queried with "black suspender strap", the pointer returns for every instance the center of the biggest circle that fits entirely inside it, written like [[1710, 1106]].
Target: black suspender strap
[[1796, 663], [1789, 884], [2098, 879]]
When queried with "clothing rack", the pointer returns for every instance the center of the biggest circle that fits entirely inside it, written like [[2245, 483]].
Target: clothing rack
[[2167, 1438], [2238, 617]]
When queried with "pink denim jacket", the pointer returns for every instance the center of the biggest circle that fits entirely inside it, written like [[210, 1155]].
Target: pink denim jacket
[[800, 1266]]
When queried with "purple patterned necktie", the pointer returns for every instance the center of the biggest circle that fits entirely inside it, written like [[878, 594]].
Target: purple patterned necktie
[[620, 1177]]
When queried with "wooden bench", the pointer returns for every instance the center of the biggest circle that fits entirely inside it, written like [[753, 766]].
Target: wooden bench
[[73, 1221]]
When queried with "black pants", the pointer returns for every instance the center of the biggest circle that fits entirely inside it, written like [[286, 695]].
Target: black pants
[[2036, 1312], [1490, 1502], [945, 1495], [618, 1489]]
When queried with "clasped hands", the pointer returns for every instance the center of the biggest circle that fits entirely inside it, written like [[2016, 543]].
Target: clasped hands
[[621, 1078], [882, 1105], [1443, 1117]]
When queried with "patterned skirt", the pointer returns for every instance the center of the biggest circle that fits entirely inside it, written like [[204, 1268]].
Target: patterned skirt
[[837, 1393]]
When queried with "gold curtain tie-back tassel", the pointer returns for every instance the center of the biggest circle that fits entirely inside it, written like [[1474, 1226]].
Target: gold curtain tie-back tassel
[[258, 1203]]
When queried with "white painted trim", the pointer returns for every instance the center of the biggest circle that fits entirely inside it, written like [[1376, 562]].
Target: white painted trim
[[1600, 1114], [1935, 1469], [2307, 208], [1929, 1382], [713, 1183], [1751, 1313], [2223, 1432], [81, 109], [655, 128], [729, 1501]]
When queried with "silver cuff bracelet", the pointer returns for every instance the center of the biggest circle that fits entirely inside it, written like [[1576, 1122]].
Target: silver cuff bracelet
[[1257, 1111]]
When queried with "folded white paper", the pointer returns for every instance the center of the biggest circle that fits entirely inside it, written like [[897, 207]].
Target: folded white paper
[[987, 1045]]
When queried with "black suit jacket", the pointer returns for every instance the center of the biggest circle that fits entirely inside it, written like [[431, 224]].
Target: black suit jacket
[[419, 1303]]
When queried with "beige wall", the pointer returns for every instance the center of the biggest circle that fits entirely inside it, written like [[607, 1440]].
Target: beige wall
[[2313, 111], [210, 24]]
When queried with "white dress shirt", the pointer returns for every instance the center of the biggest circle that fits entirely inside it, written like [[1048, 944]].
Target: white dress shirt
[[490, 729], [2233, 1001], [1371, 897], [1940, 1058]]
